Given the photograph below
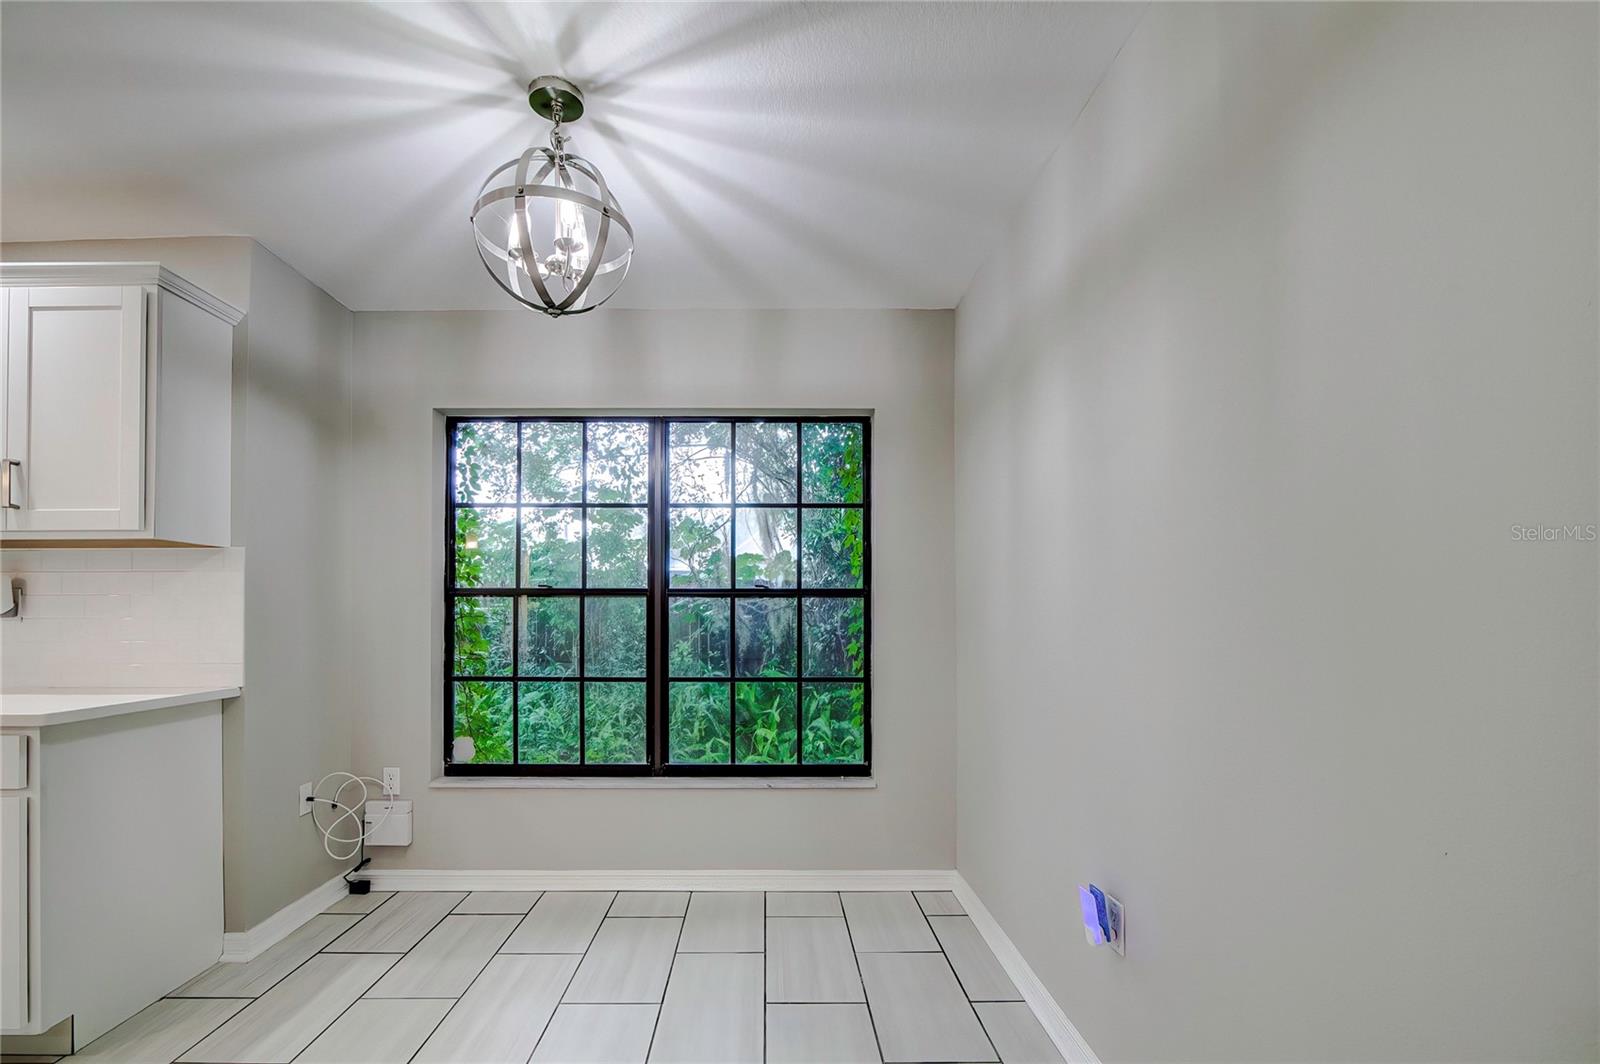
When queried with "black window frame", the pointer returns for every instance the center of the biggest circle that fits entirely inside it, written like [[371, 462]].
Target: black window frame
[[658, 596]]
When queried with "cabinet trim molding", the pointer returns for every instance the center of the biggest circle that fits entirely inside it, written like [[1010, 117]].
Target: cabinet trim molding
[[71, 274]]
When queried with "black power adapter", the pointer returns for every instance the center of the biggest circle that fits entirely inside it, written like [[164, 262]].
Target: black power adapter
[[359, 886]]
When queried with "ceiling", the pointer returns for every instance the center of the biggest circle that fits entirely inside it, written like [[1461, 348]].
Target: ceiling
[[768, 155]]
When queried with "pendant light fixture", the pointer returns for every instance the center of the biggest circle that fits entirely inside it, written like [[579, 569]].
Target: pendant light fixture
[[548, 229]]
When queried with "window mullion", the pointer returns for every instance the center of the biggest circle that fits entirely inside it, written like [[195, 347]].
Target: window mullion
[[799, 600], [449, 597], [516, 601], [583, 594], [656, 607]]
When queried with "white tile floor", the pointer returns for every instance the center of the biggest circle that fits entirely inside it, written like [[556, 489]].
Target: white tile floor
[[596, 976]]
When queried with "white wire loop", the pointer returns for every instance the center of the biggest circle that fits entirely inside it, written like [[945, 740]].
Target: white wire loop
[[353, 813]]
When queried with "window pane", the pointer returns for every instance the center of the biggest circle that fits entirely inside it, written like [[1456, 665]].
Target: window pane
[[831, 548], [618, 549], [547, 723], [830, 467], [699, 637], [698, 461], [486, 546], [614, 636], [763, 546], [763, 468], [549, 642], [835, 636], [483, 637], [699, 547], [552, 548], [552, 461], [697, 725], [613, 723], [764, 629], [486, 461], [483, 714], [619, 461], [763, 722], [834, 713]]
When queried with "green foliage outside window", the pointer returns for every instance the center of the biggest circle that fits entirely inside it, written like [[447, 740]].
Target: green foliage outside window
[[764, 674]]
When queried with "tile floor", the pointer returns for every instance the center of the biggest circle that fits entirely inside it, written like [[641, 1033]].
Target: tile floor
[[598, 976]]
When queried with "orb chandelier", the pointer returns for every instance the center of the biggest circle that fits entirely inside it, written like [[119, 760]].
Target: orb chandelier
[[548, 229]]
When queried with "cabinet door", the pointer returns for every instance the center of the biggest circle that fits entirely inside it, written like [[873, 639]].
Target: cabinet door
[[13, 911], [74, 420], [10, 482]]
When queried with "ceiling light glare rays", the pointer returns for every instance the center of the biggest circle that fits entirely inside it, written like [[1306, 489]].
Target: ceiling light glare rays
[[547, 227]]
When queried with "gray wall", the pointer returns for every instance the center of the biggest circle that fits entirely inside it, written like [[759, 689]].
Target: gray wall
[[292, 724], [1295, 326], [898, 364]]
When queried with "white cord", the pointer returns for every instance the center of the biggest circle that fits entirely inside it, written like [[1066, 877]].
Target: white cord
[[347, 812]]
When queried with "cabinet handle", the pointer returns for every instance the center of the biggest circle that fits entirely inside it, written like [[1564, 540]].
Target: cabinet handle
[[8, 474]]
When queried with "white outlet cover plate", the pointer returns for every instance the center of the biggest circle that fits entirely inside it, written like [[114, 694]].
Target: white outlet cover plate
[[305, 804], [1119, 933]]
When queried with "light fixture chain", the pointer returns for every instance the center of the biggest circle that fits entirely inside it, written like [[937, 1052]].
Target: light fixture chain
[[558, 140]]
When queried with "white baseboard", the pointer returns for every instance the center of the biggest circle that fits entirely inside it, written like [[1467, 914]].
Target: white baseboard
[[629, 879], [246, 945], [239, 946], [1068, 1041]]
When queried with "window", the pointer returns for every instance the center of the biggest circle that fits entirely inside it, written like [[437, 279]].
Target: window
[[668, 596]]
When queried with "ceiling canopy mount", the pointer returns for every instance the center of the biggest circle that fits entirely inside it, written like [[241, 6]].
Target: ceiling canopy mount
[[555, 98]]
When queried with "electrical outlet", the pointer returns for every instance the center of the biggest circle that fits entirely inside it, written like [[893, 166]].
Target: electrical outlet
[[391, 781], [1119, 934], [305, 799]]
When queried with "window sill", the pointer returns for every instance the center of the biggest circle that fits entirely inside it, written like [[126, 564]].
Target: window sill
[[654, 783]]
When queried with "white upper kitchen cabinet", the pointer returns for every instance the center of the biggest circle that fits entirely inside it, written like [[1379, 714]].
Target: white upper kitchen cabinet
[[116, 406]]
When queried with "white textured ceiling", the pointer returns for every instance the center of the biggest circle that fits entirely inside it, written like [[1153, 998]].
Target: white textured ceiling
[[769, 155]]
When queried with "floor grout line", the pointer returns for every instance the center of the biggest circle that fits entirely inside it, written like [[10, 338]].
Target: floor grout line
[[557, 1007], [662, 1007], [197, 1041], [472, 982], [324, 950], [442, 917], [963, 987], [353, 1001], [764, 977], [844, 914], [442, 1017], [276, 983]]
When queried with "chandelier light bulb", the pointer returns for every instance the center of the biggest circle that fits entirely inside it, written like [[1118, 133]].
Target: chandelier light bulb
[[546, 225], [571, 240]]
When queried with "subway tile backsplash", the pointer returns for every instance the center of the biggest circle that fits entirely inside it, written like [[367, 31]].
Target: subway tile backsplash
[[125, 618]]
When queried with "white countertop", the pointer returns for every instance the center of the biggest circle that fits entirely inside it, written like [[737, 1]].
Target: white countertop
[[38, 707]]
